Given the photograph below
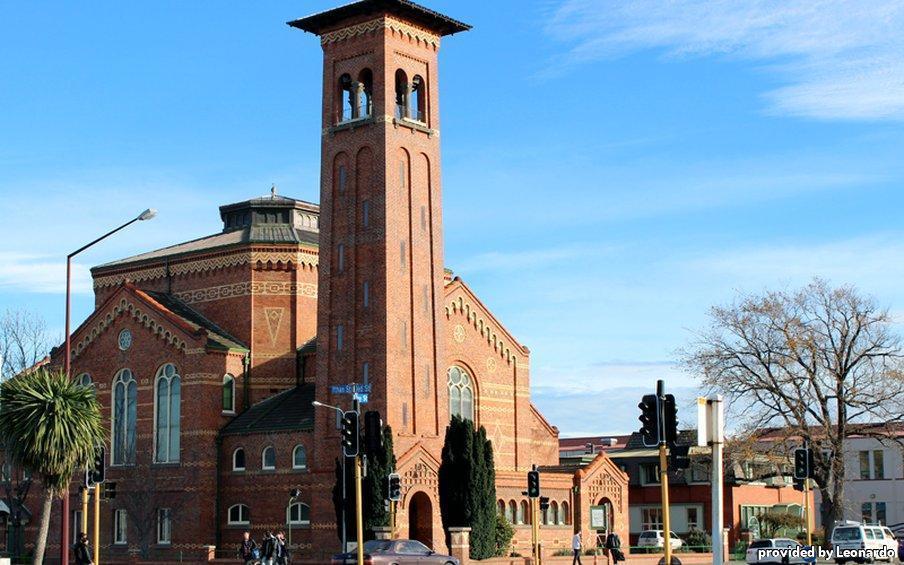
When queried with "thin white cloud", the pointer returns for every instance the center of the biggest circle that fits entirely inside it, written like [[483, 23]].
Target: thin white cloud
[[42, 274], [841, 59]]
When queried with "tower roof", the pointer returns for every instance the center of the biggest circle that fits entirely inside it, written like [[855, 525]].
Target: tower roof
[[404, 9]]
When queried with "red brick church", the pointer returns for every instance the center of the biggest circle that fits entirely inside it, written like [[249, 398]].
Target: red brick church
[[206, 355]]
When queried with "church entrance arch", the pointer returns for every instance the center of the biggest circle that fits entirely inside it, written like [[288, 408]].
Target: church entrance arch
[[420, 519], [602, 519]]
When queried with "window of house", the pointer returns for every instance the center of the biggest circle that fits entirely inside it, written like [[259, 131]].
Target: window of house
[[649, 473], [120, 526], [298, 514], [125, 402], [878, 464], [564, 514], [299, 457], [268, 458], [238, 460], [166, 413], [512, 512], [340, 252], [347, 96], [365, 213], [239, 515], [343, 179], [365, 372], [554, 513], [402, 89], [164, 526], [228, 393], [84, 380], [866, 512], [340, 337], [523, 513], [693, 518], [461, 394], [417, 100], [864, 464], [651, 518], [366, 293], [881, 517]]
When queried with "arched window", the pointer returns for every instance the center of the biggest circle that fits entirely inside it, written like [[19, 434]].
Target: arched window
[[166, 412], [238, 460], [500, 506], [512, 512], [564, 514], [124, 405], [228, 393], [84, 379], [268, 458], [365, 93], [298, 514], [461, 393], [417, 110], [401, 82], [523, 513], [554, 513], [347, 105], [239, 515], [299, 457]]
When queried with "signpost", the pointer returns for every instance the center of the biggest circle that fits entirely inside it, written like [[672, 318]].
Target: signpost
[[711, 432]]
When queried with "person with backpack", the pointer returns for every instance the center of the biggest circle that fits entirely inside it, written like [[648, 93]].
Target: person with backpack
[[613, 544], [82, 553], [249, 553]]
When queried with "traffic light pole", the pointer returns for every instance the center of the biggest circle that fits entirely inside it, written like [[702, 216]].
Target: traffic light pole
[[83, 526], [535, 528], [359, 519], [96, 524], [664, 479], [807, 511]]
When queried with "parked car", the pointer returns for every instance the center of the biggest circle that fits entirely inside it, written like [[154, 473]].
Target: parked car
[[852, 535], [653, 539], [395, 552], [753, 551]]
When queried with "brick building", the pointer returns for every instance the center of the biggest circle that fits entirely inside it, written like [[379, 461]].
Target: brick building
[[206, 355]]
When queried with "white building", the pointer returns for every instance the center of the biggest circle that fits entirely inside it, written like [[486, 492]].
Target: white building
[[874, 481]]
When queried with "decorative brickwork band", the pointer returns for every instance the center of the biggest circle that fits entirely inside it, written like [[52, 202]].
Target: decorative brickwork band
[[378, 24]]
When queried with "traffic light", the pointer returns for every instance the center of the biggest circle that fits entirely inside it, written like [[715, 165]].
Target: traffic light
[[533, 484], [350, 438], [98, 471], [544, 503], [109, 491], [373, 433], [799, 484], [395, 486], [803, 463], [670, 420], [679, 457], [649, 420]]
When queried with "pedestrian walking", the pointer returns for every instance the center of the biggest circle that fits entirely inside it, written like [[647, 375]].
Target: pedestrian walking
[[82, 553], [613, 544], [282, 550], [249, 553], [268, 552], [576, 547]]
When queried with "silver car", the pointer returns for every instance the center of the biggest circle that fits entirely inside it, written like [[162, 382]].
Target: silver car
[[395, 552]]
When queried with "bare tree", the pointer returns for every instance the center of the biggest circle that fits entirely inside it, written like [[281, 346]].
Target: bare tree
[[23, 342], [818, 364]]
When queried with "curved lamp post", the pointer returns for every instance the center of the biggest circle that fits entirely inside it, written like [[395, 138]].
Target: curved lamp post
[[146, 215]]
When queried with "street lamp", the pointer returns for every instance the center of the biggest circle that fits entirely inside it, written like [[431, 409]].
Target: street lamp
[[318, 404], [67, 361]]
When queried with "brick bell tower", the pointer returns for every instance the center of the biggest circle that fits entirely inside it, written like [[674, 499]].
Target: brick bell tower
[[380, 285]]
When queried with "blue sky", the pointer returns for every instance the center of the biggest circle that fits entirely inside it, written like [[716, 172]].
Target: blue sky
[[611, 169]]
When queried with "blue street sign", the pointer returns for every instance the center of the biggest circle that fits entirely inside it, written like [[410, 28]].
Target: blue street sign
[[361, 397], [350, 389]]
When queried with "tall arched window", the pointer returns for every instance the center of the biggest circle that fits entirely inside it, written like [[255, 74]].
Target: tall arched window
[[512, 511], [298, 514], [523, 513], [365, 93], [417, 110], [238, 460], [299, 457], [268, 458], [166, 412], [124, 405], [564, 514], [239, 514], [461, 393], [346, 98], [554, 512], [401, 81], [228, 393]]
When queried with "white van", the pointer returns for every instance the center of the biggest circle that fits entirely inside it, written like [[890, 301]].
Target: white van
[[854, 536]]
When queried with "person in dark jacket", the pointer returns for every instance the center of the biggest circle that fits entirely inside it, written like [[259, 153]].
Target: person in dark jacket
[[247, 549], [268, 551], [82, 553], [613, 544], [281, 555]]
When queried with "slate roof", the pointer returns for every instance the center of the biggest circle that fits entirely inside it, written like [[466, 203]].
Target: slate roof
[[216, 336], [414, 13], [289, 410]]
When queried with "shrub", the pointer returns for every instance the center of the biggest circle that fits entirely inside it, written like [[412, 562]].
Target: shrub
[[504, 534], [698, 541]]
